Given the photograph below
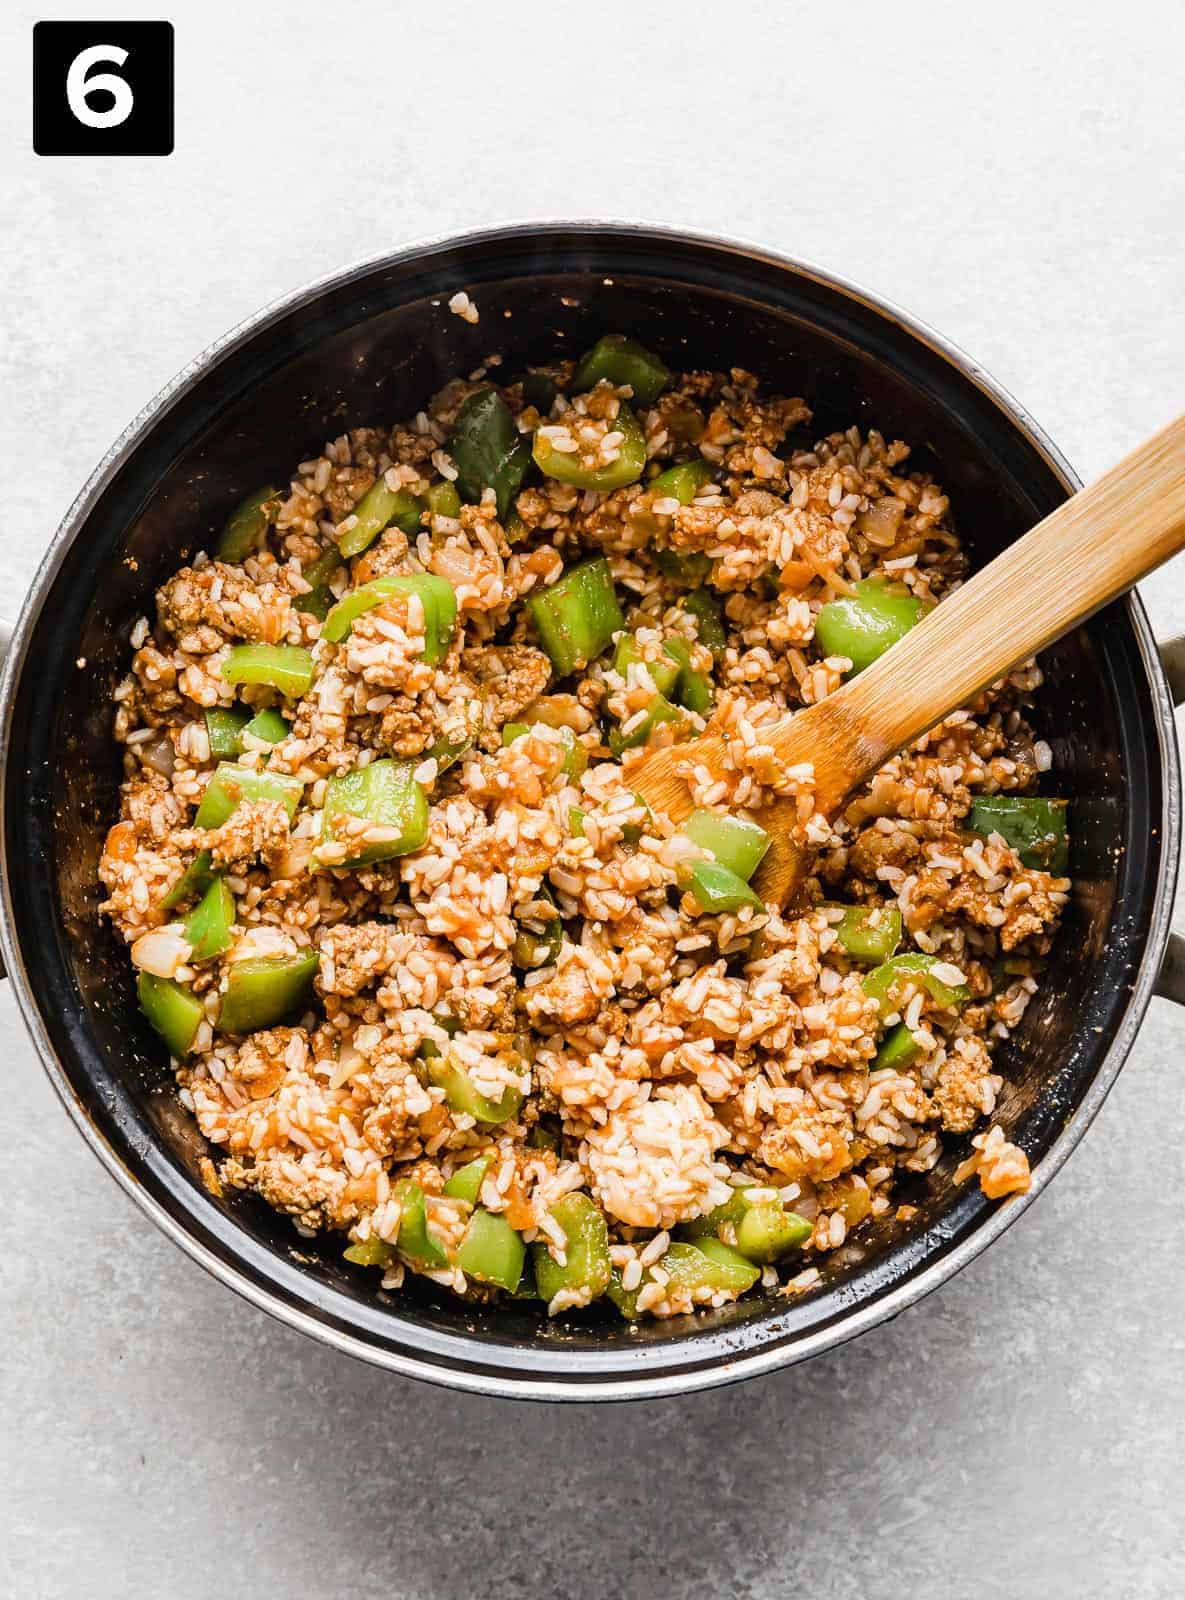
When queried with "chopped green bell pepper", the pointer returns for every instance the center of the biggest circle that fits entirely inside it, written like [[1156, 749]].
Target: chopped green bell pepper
[[767, 1231], [619, 360], [707, 1264], [575, 755], [717, 889], [682, 483], [565, 466], [208, 930], [320, 597], [693, 689], [491, 1251], [543, 1136], [385, 794], [224, 729], [447, 752], [577, 616], [733, 842], [899, 1049], [863, 626], [437, 597], [466, 1182], [587, 1270], [658, 710], [246, 527], [269, 726], [530, 951], [232, 784], [172, 1009], [415, 1239], [722, 1216], [1034, 826], [663, 674], [885, 983], [443, 499], [488, 450], [869, 933], [461, 1095], [689, 567], [264, 990], [286, 667], [194, 881], [709, 620], [378, 508], [370, 1252]]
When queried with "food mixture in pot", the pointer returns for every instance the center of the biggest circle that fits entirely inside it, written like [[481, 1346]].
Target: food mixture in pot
[[437, 980]]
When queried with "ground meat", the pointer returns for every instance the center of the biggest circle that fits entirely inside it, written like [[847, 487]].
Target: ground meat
[[204, 607], [966, 1087]]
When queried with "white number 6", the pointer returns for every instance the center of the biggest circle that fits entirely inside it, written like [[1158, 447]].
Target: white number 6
[[79, 86]]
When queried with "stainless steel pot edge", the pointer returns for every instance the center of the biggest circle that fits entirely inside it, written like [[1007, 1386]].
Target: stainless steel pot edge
[[642, 1387]]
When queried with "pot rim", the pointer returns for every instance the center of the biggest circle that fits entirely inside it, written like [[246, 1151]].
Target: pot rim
[[687, 1380]]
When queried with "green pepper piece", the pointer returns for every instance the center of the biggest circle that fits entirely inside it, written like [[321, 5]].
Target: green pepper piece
[[466, 1182], [658, 710], [708, 618], [564, 466], [436, 596], [385, 794], [869, 933], [371, 1252], [172, 1009], [885, 983], [488, 450], [899, 1049], [863, 626], [246, 527], [491, 1251], [232, 784], [626, 1300], [767, 1231], [208, 930], [287, 667], [716, 889], [1034, 826], [224, 730], [461, 1096], [663, 674], [733, 842], [693, 689], [575, 755], [588, 1270], [378, 508], [442, 499], [447, 752], [619, 360], [726, 1215], [577, 616], [708, 1264], [319, 598], [576, 816], [689, 567], [683, 483], [264, 990], [415, 1240], [539, 390], [530, 951], [195, 880], [270, 726]]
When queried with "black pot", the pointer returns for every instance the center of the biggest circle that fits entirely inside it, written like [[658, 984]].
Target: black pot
[[368, 345]]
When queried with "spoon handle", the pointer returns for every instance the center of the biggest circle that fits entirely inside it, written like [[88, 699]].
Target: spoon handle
[[1084, 554]]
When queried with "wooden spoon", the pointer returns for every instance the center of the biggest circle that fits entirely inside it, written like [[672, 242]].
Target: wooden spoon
[[1081, 556]]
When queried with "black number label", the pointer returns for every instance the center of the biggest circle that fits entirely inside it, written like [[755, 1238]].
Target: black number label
[[103, 88]]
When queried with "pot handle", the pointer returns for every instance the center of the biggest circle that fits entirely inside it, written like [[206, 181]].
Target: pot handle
[[6, 632], [1170, 984]]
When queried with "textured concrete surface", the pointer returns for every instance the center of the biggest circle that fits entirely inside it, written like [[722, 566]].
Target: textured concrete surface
[[1014, 173]]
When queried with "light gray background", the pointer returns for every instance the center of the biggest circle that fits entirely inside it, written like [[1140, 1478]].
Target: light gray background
[[1012, 172]]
